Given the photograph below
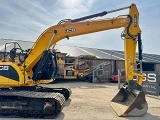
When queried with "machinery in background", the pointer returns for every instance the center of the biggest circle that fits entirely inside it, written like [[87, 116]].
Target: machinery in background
[[73, 67], [96, 73]]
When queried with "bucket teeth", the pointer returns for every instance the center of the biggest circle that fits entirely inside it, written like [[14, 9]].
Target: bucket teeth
[[127, 103]]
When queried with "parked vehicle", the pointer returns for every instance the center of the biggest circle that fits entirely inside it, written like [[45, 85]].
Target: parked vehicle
[[114, 77]]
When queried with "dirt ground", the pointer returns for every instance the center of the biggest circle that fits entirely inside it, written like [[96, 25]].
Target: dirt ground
[[90, 101]]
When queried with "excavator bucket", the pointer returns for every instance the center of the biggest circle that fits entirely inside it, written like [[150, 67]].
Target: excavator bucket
[[127, 103]]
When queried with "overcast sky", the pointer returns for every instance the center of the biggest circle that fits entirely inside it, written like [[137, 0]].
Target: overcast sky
[[27, 19]]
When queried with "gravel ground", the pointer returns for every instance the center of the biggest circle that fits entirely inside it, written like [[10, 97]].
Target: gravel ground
[[90, 101]]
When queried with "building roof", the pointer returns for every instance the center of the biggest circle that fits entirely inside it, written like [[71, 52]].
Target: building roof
[[24, 44], [77, 51]]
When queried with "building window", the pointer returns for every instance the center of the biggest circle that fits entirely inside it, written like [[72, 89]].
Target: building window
[[147, 66]]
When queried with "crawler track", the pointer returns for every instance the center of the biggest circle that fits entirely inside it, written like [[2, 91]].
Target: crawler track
[[63, 90], [30, 104]]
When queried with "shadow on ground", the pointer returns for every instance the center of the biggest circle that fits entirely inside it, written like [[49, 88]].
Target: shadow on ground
[[68, 102], [59, 117], [147, 116], [80, 84]]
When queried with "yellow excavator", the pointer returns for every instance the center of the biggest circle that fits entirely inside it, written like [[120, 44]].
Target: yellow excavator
[[21, 92]]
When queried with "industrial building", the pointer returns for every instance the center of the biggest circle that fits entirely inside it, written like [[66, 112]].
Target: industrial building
[[151, 62]]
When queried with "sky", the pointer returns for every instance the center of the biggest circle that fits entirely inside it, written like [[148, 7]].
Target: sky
[[27, 19]]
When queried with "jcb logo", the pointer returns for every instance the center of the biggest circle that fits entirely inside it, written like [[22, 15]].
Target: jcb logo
[[4, 67], [135, 21], [70, 30]]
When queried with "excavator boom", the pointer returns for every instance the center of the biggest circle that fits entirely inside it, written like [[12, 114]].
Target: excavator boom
[[67, 30]]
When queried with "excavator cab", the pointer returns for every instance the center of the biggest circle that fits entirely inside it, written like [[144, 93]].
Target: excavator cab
[[128, 103]]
